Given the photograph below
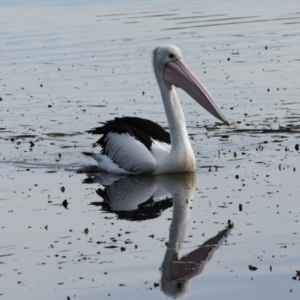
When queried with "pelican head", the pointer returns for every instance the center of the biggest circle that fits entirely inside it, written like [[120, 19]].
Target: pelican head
[[171, 70]]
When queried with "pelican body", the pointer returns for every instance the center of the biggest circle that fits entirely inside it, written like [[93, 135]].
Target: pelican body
[[132, 145]]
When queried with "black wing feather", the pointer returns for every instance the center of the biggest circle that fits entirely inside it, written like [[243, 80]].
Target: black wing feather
[[141, 129]]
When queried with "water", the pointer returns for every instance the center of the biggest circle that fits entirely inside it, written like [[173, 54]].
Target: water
[[65, 67]]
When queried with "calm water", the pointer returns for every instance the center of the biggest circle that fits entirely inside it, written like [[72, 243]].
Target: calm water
[[65, 67]]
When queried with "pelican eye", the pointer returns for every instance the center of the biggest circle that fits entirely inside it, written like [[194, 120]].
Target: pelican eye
[[171, 55]]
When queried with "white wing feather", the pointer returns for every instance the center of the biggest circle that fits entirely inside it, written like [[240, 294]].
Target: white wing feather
[[129, 154]]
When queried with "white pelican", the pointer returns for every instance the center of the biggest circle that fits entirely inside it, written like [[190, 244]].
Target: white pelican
[[132, 145]]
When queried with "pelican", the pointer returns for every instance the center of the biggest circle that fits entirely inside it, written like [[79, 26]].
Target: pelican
[[132, 145]]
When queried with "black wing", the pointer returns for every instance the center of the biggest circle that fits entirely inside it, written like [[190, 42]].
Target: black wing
[[141, 129]]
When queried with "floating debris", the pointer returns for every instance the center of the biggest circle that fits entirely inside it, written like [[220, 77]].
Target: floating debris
[[252, 268]]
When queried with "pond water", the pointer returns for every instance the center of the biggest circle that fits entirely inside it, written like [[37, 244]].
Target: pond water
[[229, 231]]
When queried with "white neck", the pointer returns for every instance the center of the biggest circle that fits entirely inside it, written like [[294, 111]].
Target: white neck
[[181, 157]]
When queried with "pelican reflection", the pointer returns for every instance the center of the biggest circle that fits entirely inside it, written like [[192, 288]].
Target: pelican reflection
[[146, 197]]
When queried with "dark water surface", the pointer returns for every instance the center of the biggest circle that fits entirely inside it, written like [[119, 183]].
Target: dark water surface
[[65, 67]]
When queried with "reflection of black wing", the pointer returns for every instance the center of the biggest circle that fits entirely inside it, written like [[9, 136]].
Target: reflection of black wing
[[149, 209], [132, 198]]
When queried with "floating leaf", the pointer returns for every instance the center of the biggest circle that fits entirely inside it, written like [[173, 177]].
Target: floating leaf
[[220, 124], [252, 268], [24, 136], [55, 134], [61, 134], [289, 103], [230, 225]]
